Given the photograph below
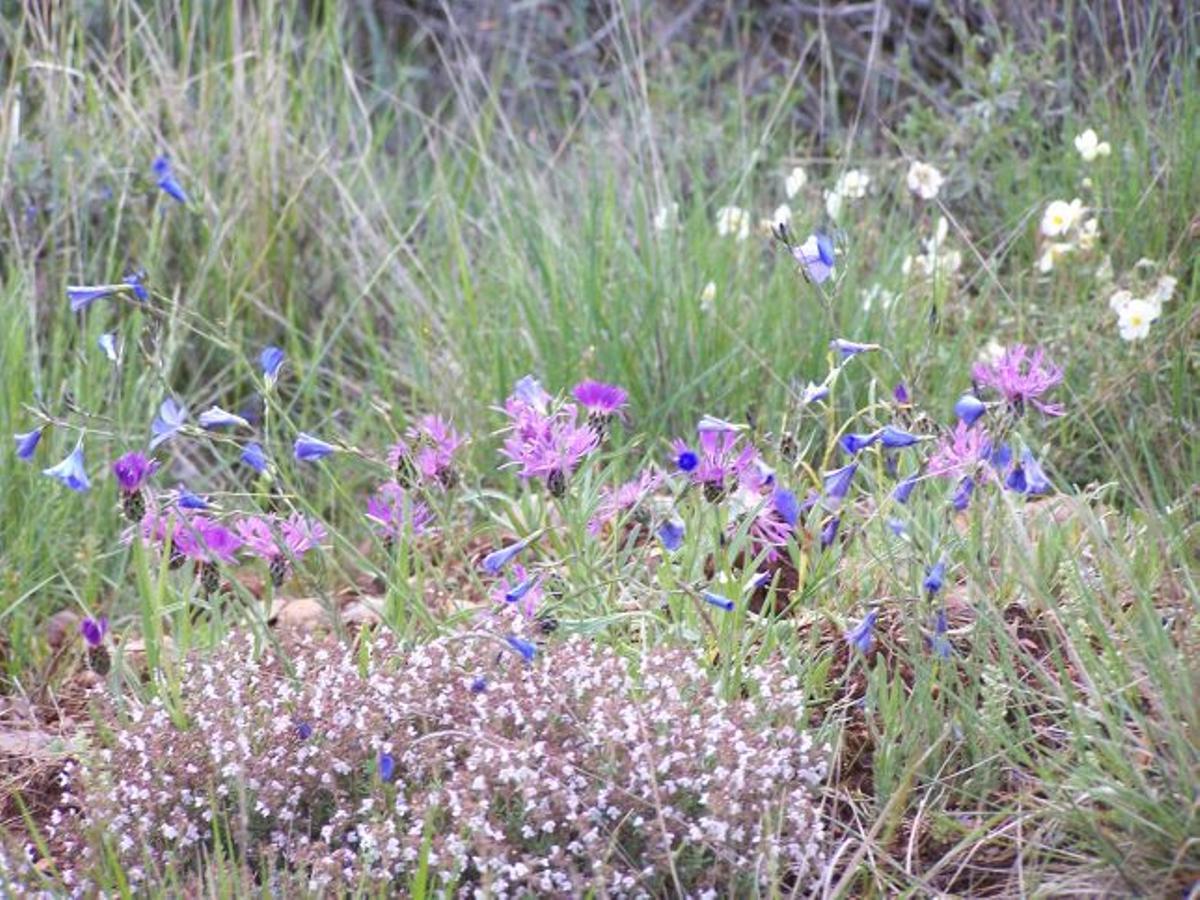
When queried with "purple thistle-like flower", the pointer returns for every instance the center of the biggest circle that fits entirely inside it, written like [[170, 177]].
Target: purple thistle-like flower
[[170, 419], [1022, 377], [816, 257], [960, 452], [837, 484], [720, 461], [395, 514], [272, 538], [527, 650], [70, 472], [429, 448], [310, 449], [271, 359], [215, 417], [714, 599], [495, 561], [546, 445], [27, 443], [935, 577], [671, 533], [93, 630], [166, 181], [205, 540], [862, 635], [254, 457], [133, 470], [969, 408], [603, 399], [616, 502]]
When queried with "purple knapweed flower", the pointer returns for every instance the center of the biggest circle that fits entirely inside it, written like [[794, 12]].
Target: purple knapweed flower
[[27, 443], [273, 538], [427, 452], [969, 408], [215, 417], [133, 470], [271, 359], [671, 533], [837, 484], [165, 179], [816, 257], [714, 599], [205, 540], [1022, 377], [546, 445], [720, 461], [170, 419], [616, 502], [254, 457], [527, 650], [70, 472], [396, 514], [108, 343], [850, 348], [310, 449], [601, 400], [862, 635], [935, 576], [498, 559], [93, 630], [960, 452]]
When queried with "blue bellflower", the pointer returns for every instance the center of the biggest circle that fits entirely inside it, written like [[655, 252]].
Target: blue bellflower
[[521, 589], [905, 488], [187, 500], [862, 635], [837, 484], [935, 576], [171, 417], [271, 359], [829, 531], [786, 505], [311, 449], [671, 534], [71, 471], [896, 438], [1027, 476], [853, 443], [495, 561], [254, 457], [962, 493], [83, 296], [215, 417], [715, 599], [850, 348], [527, 650], [387, 767], [165, 179], [134, 280], [27, 443], [969, 408], [939, 643]]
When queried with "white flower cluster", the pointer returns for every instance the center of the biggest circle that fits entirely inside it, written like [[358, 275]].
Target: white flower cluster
[[1134, 314], [1068, 229], [938, 261]]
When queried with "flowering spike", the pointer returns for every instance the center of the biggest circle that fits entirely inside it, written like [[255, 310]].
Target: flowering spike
[[1022, 377], [70, 472], [27, 443]]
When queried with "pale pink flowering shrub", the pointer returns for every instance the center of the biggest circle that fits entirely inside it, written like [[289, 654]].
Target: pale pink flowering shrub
[[557, 778]]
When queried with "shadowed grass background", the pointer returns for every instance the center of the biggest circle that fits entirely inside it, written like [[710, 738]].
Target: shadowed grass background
[[421, 203]]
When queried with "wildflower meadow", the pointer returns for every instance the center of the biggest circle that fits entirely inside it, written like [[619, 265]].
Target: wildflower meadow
[[600, 450]]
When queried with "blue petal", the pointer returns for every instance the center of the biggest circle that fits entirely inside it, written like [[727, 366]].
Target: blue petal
[[522, 646], [70, 472], [134, 280], [837, 482], [387, 767], [895, 438], [498, 559], [310, 449], [905, 488], [717, 600], [825, 248], [671, 534], [188, 500], [520, 590], [27, 443], [853, 443], [829, 531], [82, 296], [271, 359], [215, 417], [786, 505], [254, 457], [962, 493], [935, 575], [171, 417], [969, 408], [687, 461]]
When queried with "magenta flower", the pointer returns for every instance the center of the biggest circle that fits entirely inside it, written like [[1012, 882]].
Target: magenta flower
[[272, 538], [1022, 377], [602, 402], [960, 452], [394, 515], [720, 461], [770, 529], [205, 540], [545, 444], [93, 630], [133, 470], [616, 502], [427, 452]]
